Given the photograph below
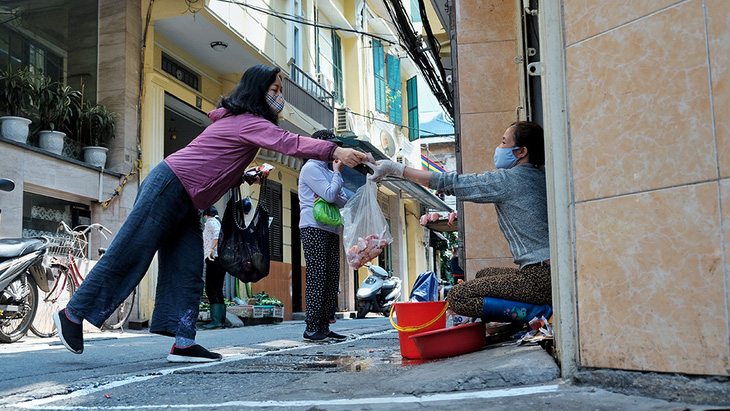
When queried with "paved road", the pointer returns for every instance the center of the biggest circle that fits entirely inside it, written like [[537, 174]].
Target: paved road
[[269, 366]]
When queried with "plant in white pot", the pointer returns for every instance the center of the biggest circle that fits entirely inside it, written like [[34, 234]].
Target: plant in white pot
[[56, 104], [97, 128], [16, 90]]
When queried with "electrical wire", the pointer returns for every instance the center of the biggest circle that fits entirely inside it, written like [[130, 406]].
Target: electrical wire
[[301, 20], [429, 64]]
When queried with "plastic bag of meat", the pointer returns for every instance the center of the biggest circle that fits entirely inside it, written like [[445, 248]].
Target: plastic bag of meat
[[365, 232]]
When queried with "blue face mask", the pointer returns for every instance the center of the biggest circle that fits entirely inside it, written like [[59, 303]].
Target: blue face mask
[[504, 157]]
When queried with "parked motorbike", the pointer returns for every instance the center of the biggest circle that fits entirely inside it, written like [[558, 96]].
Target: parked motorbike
[[21, 272], [378, 292]]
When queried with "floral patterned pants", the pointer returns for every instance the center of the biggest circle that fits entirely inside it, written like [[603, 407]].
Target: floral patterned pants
[[530, 284], [322, 256]]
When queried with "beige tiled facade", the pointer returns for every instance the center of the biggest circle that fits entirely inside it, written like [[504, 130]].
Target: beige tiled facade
[[648, 139], [489, 92], [648, 142]]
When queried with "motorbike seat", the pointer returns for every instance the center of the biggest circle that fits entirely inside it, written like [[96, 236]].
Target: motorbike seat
[[16, 247]]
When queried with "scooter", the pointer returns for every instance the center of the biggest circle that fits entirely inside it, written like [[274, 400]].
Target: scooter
[[378, 292], [21, 272]]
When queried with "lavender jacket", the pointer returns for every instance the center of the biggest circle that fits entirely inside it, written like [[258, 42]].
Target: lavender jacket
[[215, 160]]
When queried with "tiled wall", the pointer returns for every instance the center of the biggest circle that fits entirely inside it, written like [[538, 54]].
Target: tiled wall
[[488, 81], [648, 102]]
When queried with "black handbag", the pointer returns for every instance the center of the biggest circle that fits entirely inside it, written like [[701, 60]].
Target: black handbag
[[244, 250]]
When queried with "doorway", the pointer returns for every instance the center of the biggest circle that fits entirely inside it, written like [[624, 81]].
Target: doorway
[[297, 289]]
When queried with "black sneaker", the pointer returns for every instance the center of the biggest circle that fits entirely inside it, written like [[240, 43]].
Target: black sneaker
[[336, 336], [315, 336], [70, 332], [194, 353]]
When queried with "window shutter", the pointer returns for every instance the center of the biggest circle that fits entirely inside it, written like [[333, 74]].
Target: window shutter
[[379, 69], [337, 67], [273, 203], [395, 100], [412, 90]]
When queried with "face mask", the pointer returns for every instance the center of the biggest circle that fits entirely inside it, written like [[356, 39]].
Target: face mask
[[504, 157], [276, 102]]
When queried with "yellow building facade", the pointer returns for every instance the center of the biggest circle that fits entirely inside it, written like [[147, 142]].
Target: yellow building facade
[[195, 52]]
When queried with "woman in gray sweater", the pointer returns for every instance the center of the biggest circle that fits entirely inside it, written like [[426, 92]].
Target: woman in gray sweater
[[517, 190]]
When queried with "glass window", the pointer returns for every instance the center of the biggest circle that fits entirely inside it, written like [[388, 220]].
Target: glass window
[[57, 38], [42, 215]]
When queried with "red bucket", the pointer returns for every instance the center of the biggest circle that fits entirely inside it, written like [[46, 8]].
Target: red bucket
[[416, 318]]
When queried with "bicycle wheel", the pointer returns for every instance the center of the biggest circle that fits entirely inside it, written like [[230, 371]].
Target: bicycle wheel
[[22, 296], [60, 291], [120, 316]]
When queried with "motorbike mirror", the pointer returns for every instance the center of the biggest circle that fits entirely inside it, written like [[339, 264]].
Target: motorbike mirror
[[6, 185]]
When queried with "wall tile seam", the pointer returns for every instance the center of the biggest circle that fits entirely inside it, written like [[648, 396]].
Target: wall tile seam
[[651, 190], [461, 43], [719, 175], [487, 112], [628, 23]]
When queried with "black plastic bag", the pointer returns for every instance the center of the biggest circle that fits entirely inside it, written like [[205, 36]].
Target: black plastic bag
[[244, 250]]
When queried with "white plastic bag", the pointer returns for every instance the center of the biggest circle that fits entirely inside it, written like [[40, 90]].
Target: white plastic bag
[[365, 231]]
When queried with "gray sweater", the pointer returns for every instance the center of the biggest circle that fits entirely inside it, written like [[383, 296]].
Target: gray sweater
[[520, 199]]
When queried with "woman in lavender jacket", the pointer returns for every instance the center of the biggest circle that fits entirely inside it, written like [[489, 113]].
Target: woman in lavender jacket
[[321, 243], [164, 218]]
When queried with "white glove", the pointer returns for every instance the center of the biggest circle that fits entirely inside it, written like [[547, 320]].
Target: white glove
[[384, 168]]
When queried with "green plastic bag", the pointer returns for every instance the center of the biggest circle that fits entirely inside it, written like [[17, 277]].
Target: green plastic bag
[[326, 213]]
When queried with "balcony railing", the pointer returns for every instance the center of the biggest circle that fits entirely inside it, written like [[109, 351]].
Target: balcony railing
[[305, 93]]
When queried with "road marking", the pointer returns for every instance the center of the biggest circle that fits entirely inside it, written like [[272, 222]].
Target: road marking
[[407, 399], [167, 371]]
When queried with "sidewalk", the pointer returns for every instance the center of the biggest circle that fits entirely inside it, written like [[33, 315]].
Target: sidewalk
[[270, 366]]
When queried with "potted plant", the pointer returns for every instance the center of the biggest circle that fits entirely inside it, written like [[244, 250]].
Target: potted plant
[[56, 104], [16, 89], [97, 128]]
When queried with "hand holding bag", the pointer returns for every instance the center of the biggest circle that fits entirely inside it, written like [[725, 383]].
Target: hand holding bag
[[326, 213], [243, 250]]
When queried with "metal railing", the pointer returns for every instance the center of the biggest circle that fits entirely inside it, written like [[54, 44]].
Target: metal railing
[[308, 96]]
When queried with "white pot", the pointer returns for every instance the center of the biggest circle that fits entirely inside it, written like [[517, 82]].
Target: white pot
[[15, 128], [96, 156], [51, 141]]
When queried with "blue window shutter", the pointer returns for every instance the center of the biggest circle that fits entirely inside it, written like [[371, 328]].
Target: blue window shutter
[[413, 127], [395, 99], [379, 69]]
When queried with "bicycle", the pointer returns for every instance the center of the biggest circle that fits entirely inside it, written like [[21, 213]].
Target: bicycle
[[66, 248]]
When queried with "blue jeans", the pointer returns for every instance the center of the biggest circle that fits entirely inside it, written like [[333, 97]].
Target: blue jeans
[[163, 220]]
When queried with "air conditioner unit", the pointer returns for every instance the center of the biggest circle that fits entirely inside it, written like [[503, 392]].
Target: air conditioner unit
[[343, 121], [401, 159], [326, 81]]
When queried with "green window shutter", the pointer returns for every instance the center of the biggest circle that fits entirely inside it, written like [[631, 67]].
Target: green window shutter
[[395, 99], [412, 90], [415, 12], [337, 67], [379, 69]]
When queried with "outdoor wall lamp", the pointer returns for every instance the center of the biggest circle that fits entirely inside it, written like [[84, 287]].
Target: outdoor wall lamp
[[218, 45]]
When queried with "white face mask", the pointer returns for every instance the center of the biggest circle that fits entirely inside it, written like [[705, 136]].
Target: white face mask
[[505, 157], [276, 102]]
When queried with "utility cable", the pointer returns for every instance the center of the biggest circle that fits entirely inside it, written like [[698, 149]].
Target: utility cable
[[301, 20]]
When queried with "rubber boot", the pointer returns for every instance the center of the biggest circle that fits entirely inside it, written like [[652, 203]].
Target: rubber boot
[[499, 310], [217, 316]]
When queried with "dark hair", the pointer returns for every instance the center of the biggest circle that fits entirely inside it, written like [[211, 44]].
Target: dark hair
[[327, 135], [249, 94], [530, 135], [211, 211]]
